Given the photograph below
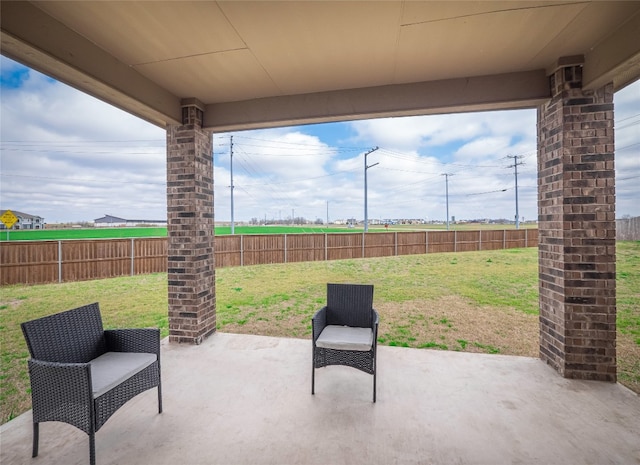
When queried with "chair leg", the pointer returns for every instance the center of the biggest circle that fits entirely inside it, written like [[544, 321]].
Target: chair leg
[[374, 387], [160, 398], [92, 448], [36, 437], [313, 375], [375, 371]]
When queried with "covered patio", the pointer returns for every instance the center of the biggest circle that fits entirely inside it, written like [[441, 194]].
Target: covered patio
[[195, 68], [241, 399]]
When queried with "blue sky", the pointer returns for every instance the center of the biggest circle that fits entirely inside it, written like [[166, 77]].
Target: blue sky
[[69, 157]]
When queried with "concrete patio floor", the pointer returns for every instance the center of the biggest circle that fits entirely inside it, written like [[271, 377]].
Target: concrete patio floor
[[239, 399]]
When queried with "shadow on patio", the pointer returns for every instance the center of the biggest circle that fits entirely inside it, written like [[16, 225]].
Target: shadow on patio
[[239, 399]]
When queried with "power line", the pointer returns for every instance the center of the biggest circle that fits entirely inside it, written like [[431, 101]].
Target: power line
[[431, 160], [627, 178], [84, 180], [635, 123], [488, 192], [618, 149], [273, 186], [628, 117], [279, 141], [68, 144]]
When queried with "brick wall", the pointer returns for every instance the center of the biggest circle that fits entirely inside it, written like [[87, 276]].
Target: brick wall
[[576, 213], [191, 267]]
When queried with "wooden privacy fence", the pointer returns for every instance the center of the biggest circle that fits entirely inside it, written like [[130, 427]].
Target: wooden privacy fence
[[34, 262], [628, 229]]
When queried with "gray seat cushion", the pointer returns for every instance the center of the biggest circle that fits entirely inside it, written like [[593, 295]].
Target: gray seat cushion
[[112, 368], [345, 338]]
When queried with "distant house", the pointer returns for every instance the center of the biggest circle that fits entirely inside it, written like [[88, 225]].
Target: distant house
[[25, 221], [110, 221]]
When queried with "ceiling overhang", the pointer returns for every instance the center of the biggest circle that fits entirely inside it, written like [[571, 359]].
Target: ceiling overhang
[[66, 42]]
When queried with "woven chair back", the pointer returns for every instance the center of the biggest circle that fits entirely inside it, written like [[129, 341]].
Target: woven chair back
[[74, 336], [350, 305]]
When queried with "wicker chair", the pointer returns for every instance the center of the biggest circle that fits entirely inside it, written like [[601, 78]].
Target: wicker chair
[[81, 374], [345, 331]]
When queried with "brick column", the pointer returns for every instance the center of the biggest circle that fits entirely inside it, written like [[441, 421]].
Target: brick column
[[576, 213], [191, 267]]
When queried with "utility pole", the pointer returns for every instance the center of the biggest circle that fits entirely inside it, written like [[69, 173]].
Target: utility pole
[[446, 182], [515, 166], [366, 213], [327, 213], [231, 171]]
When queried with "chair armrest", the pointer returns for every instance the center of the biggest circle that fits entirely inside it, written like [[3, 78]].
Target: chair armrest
[[61, 392], [318, 322], [133, 340]]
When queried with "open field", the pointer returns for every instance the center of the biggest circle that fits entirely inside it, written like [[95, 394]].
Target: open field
[[223, 230], [473, 301], [113, 233]]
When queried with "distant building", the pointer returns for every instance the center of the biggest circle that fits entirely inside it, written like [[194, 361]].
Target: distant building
[[110, 221], [25, 221]]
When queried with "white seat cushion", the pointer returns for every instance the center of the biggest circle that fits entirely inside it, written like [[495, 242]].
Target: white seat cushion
[[345, 338], [112, 368]]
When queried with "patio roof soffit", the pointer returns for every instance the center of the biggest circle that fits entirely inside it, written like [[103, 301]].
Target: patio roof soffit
[[30, 35]]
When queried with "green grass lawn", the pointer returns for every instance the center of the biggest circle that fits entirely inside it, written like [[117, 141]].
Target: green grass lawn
[[81, 233], [473, 301], [111, 233]]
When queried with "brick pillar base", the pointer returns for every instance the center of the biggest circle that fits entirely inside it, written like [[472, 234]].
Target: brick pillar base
[[191, 267], [576, 209]]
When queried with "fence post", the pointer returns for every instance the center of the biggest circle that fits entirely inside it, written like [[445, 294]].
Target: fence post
[[133, 257], [480, 241], [285, 248], [326, 247], [363, 236], [59, 261], [396, 241], [426, 242], [241, 250], [504, 239], [455, 240], [526, 238]]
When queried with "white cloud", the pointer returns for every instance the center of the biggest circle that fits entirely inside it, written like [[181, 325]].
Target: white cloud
[[483, 148], [412, 133]]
